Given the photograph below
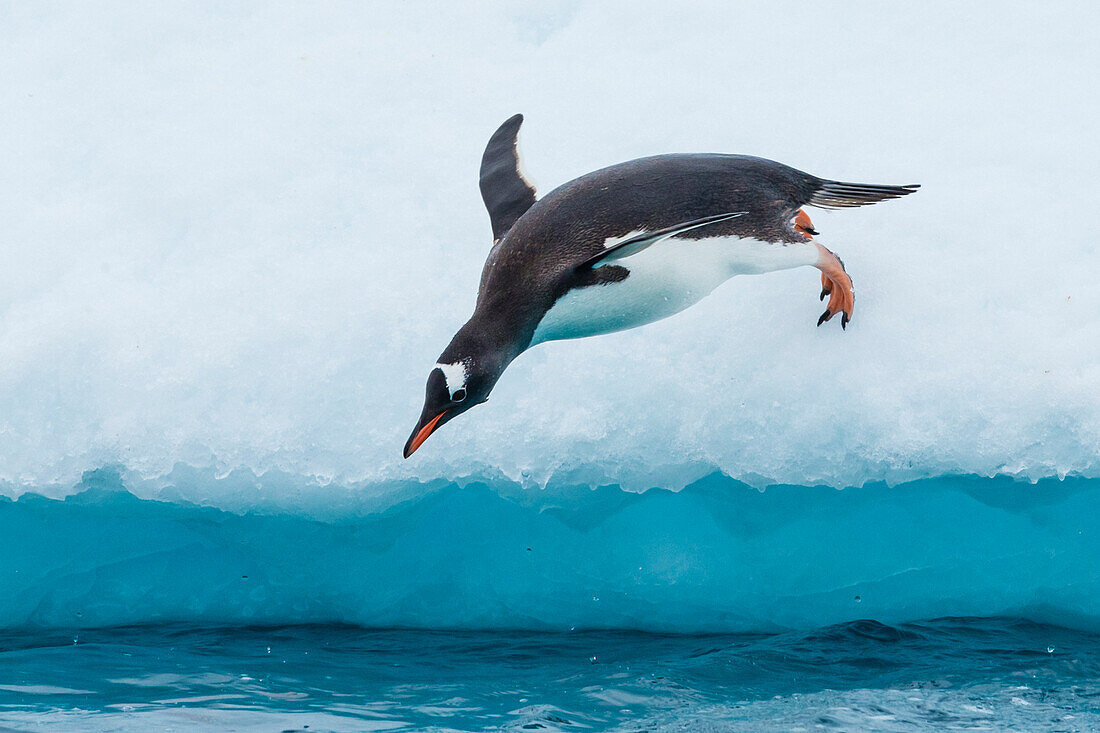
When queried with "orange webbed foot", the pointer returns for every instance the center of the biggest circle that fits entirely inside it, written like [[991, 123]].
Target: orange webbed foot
[[837, 285]]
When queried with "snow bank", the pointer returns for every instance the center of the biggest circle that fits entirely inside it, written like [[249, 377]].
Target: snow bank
[[238, 238]]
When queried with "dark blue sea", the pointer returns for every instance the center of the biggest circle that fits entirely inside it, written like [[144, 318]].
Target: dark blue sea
[[952, 673], [958, 602]]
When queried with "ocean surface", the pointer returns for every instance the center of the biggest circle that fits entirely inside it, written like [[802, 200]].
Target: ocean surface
[[958, 602], [946, 674]]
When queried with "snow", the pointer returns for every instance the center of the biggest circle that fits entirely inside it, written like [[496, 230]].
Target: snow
[[237, 237]]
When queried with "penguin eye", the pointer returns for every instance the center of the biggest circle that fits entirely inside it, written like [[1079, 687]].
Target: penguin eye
[[458, 396]]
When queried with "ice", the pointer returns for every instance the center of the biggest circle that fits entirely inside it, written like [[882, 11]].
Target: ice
[[238, 239], [718, 555]]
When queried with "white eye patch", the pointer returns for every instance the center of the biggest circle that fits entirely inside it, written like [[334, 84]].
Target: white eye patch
[[454, 376]]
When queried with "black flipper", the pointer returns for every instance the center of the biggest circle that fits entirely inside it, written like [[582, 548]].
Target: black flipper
[[636, 244], [839, 195], [506, 194]]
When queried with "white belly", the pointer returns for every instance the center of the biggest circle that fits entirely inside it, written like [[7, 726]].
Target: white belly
[[665, 279]]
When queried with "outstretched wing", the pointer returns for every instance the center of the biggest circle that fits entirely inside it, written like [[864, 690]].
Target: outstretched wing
[[505, 192], [636, 244]]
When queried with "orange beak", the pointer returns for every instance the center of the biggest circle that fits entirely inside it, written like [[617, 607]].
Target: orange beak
[[422, 434]]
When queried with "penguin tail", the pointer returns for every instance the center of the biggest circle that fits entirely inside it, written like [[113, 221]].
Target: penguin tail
[[840, 195]]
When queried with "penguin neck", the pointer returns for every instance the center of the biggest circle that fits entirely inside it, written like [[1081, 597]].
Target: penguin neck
[[489, 341]]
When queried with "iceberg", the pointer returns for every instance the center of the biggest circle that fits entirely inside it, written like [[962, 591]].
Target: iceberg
[[716, 556], [229, 267]]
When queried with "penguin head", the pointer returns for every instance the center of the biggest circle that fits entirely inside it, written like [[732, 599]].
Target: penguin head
[[453, 387]]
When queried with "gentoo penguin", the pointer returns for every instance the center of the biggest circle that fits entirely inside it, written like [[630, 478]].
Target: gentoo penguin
[[624, 246]]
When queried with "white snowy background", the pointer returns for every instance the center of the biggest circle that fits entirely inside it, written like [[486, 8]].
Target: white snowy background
[[238, 235]]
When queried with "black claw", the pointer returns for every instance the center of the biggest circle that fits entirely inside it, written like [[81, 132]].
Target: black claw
[[811, 230], [824, 292], [824, 317], [844, 321]]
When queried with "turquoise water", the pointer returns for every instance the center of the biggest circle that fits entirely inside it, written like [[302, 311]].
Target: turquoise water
[[983, 674], [717, 556], [285, 604]]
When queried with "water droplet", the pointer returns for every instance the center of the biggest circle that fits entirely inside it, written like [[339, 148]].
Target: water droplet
[[595, 598], [592, 659], [269, 650], [75, 640], [859, 599], [1050, 650]]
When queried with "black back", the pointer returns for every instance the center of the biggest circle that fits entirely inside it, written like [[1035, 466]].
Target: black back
[[540, 257], [544, 248]]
